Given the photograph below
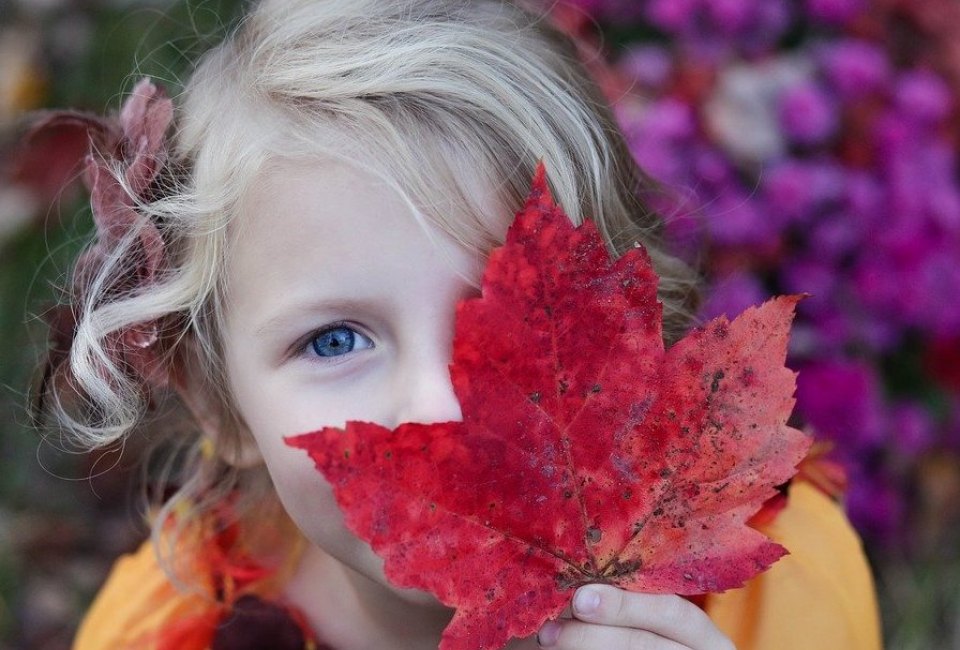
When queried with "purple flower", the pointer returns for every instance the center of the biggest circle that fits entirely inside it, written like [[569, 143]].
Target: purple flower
[[808, 114], [658, 140], [876, 507], [813, 275], [649, 65], [923, 95], [878, 286], [911, 428], [670, 119], [711, 167], [937, 278], [864, 199], [788, 189], [828, 167], [773, 18], [878, 334], [684, 228], [730, 16], [735, 219], [834, 236], [836, 12], [671, 15], [841, 400], [732, 294], [931, 166], [797, 190], [833, 328], [899, 148], [855, 68]]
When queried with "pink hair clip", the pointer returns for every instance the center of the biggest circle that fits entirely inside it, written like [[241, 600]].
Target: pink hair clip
[[134, 144]]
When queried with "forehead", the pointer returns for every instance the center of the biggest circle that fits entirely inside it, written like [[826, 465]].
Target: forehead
[[330, 204], [316, 198], [323, 228]]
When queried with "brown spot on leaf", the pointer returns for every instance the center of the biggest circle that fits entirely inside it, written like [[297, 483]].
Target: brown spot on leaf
[[715, 384], [622, 568]]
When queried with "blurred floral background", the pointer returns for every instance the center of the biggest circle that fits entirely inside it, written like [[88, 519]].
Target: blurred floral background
[[802, 146]]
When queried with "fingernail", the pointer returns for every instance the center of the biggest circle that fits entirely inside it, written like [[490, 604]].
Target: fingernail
[[586, 601], [548, 634]]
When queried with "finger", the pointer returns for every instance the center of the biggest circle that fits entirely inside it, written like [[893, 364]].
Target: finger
[[577, 635], [669, 616]]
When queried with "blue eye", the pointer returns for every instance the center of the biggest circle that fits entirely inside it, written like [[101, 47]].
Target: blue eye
[[337, 341]]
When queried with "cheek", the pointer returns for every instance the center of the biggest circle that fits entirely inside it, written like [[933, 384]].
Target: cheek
[[271, 410], [308, 499], [306, 496]]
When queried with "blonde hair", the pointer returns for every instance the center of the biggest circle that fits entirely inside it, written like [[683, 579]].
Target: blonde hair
[[439, 97]]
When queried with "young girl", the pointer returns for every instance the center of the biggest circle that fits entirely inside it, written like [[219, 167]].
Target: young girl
[[291, 258]]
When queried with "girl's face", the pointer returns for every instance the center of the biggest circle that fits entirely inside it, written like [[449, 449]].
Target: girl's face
[[341, 308]]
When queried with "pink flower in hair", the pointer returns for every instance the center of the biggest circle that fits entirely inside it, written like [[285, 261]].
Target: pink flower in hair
[[125, 156]]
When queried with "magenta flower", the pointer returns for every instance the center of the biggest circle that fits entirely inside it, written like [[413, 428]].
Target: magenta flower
[[735, 219], [649, 65], [730, 16], [826, 163], [813, 275], [923, 95], [876, 507], [671, 15], [841, 399], [836, 12], [732, 294], [808, 114], [835, 236], [797, 190], [855, 68], [911, 429]]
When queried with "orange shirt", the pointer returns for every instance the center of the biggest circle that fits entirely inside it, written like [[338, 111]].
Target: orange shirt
[[819, 596]]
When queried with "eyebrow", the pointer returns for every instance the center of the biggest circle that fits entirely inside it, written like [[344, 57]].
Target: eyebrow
[[294, 311]]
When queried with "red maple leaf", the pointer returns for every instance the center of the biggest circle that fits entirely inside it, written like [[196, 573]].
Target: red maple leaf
[[587, 452]]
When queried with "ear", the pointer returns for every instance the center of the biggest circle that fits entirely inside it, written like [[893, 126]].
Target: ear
[[227, 433]]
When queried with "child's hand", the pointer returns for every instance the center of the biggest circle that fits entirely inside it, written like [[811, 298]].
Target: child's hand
[[608, 618]]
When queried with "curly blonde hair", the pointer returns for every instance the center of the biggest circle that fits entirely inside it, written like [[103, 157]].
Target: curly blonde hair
[[425, 94]]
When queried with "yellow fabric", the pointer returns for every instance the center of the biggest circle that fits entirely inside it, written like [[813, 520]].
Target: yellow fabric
[[820, 596], [136, 600]]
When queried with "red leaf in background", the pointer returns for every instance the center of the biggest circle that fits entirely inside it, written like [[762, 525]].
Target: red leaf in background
[[587, 453]]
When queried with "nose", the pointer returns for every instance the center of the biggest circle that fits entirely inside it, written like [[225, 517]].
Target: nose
[[424, 391]]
